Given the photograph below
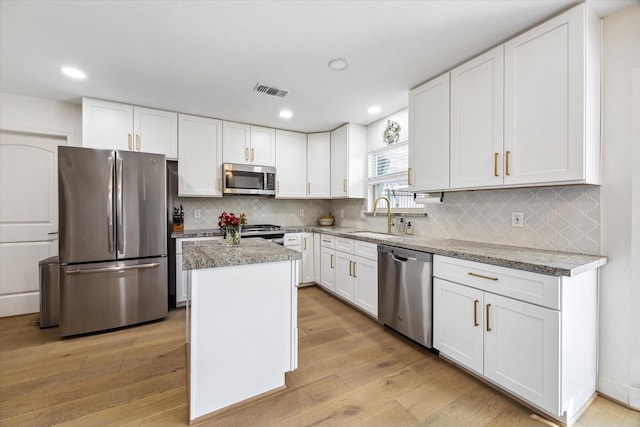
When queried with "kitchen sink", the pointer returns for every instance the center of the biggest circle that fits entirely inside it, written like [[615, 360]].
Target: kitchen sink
[[373, 234]]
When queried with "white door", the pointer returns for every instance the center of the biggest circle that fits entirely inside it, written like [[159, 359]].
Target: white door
[[327, 268], [344, 275], [458, 323], [236, 138], [263, 146], [522, 348], [107, 125], [200, 165], [339, 165], [28, 216], [307, 258], [291, 164], [156, 131], [319, 165], [365, 273]]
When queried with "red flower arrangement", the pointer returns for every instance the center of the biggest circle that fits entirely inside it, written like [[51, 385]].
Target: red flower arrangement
[[230, 220]]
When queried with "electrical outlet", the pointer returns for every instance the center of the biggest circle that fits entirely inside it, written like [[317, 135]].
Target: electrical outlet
[[517, 219], [196, 213], [301, 212]]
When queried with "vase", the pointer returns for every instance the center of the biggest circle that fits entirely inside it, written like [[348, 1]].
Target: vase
[[233, 236]]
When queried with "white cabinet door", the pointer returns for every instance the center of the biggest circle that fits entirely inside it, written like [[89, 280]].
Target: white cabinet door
[[365, 275], [316, 257], [429, 136], [476, 121], [263, 146], [107, 125], [181, 282], [545, 102], [291, 164], [319, 165], [522, 349], [308, 259], [327, 266], [458, 323], [236, 141], [155, 131], [348, 160], [200, 165], [344, 275]]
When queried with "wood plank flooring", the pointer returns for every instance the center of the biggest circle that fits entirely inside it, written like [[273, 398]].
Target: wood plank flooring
[[351, 371]]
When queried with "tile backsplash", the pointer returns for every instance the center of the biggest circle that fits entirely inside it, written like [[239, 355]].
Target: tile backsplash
[[259, 210], [564, 218]]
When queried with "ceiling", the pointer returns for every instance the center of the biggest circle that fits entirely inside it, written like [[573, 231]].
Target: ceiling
[[206, 57]]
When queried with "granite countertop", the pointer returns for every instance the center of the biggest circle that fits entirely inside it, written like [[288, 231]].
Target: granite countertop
[[216, 253], [554, 263]]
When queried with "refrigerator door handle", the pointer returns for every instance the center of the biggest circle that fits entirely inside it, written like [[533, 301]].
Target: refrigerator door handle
[[119, 214], [110, 205], [114, 269]]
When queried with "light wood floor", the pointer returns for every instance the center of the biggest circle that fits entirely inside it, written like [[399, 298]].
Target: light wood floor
[[351, 372]]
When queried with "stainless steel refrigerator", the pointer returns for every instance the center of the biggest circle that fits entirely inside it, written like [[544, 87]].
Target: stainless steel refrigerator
[[112, 230]]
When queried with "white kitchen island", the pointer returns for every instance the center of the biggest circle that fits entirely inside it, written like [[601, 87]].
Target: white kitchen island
[[242, 321]]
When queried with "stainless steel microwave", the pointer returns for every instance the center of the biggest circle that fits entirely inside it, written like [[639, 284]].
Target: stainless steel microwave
[[248, 179]]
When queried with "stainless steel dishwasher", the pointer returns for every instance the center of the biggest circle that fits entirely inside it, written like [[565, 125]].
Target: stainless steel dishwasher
[[405, 292]]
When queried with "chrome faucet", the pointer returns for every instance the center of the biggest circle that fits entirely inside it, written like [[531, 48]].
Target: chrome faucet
[[375, 207]]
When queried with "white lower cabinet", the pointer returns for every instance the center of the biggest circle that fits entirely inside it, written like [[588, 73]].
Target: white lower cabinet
[[303, 243], [356, 273], [538, 343], [316, 257], [327, 262]]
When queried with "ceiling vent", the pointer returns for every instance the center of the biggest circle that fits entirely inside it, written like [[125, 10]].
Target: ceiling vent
[[268, 90]]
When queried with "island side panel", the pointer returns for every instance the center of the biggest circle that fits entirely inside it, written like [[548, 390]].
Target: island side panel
[[241, 333]]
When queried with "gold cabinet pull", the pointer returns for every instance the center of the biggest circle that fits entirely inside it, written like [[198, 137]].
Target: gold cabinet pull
[[506, 162], [137, 142], [344, 185], [475, 312], [409, 176], [482, 277], [253, 154], [277, 186], [308, 188], [305, 243], [219, 184], [129, 140], [350, 264], [495, 164], [488, 328], [246, 154], [354, 269], [331, 260]]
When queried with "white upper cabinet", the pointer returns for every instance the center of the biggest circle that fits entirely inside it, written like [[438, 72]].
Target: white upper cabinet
[[348, 159], [319, 165], [200, 165], [476, 121], [246, 144], [291, 164], [552, 102], [429, 136], [111, 125]]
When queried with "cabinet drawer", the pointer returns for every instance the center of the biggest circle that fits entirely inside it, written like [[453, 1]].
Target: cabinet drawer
[[526, 286], [366, 250], [344, 245], [327, 241], [292, 239]]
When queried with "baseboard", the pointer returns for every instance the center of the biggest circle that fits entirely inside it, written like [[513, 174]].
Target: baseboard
[[17, 304], [623, 394]]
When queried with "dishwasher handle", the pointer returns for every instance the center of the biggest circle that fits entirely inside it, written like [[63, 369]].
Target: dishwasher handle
[[401, 258]]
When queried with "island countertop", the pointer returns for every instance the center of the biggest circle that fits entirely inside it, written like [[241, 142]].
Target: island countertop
[[216, 253]]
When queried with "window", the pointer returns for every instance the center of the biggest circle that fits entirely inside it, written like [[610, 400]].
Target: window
[[387, 176]]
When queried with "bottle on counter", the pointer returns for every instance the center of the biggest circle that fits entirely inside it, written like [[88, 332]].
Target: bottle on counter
[[410, 228], [402, 227]]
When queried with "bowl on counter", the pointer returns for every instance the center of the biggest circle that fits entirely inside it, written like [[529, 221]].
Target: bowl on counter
[[325, 221]]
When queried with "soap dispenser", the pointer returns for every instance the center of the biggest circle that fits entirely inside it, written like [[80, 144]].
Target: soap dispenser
[[409, 228], [402, 226]]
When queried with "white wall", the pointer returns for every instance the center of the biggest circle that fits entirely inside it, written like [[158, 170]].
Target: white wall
[[375, 129], [35, 115], [619, 371]]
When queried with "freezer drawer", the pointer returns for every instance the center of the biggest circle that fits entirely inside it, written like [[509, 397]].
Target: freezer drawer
[[100, 296]]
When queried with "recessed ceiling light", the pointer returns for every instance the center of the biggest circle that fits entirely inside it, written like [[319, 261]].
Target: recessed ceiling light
[[73, 72], [374, 109], [286, 114], [338, 64]]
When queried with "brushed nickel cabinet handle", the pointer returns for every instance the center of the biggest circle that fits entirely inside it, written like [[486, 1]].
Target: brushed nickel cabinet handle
[[475, 312], [482, 277]]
